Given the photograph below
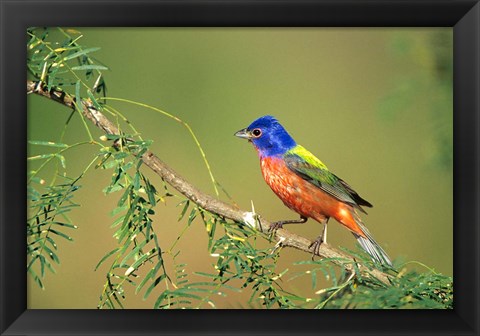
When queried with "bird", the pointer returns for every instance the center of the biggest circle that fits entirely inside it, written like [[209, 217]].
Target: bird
[[307, 186]]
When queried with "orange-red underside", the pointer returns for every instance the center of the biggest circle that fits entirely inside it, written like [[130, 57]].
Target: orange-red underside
[[305, 198]]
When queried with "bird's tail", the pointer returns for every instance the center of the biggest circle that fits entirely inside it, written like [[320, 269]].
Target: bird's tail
[[371, 246]]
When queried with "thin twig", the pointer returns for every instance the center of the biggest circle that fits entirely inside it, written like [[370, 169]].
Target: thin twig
[[203, 200]]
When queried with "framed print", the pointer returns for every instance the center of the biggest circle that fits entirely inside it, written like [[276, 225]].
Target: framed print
[[146, 206]]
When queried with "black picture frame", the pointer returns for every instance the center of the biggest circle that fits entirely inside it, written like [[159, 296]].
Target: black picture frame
[[17, 15]]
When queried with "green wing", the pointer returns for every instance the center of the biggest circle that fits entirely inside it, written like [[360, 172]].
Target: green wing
[[311, 169]]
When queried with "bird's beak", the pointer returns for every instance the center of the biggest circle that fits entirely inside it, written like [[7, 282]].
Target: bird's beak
[[244, 134]]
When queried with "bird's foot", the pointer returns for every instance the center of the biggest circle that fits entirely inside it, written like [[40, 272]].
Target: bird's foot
[[275, 226], [315, 246], [320, 240], [278, 225]]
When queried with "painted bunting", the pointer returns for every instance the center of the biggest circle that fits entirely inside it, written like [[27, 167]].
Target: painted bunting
[[306, 186]]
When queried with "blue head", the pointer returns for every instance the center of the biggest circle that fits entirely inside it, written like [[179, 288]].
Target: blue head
[[268, 136]]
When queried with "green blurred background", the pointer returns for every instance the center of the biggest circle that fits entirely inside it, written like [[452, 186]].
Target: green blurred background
[[375, 105]]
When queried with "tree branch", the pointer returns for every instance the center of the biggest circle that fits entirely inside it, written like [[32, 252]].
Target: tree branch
[[205, 201]]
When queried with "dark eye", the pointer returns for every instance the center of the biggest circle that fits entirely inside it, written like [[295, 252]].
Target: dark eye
[[257, 132]]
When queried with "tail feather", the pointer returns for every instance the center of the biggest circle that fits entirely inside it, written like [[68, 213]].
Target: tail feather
[[371, 246], [374, 250]]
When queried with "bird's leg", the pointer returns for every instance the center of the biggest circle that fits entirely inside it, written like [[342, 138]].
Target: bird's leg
[[320, 239], [324, 233], [279, 224]]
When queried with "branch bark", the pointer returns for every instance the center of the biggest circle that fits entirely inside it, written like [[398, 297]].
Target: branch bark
[[205, 201]]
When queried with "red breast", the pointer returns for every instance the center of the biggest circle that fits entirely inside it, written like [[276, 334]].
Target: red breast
[[303, 197]]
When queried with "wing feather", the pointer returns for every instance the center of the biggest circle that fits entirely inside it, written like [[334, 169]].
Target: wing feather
[[311, 169]]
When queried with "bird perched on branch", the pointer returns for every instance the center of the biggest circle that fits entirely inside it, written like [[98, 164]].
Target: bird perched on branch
[[306, 186]]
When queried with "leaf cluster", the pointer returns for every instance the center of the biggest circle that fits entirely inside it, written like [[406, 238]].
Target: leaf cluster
[[134, 233], [48, 220], [55, 57], [411, 290]]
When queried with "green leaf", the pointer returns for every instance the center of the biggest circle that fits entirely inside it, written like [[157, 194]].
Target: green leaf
[[120, 155], [40, 157], [150, 189], [36, 278], [47, 263], [103, 160], [144, 257], [121, 201], [213, 276], [51, 241], [50, 253], [117, 210], [47, 143], [117, 299], [185, 207], [113, 136], [136, 181], [152, 273], [62, 160], [71, 226], [90, 67], [134, 251], [105, 257], [127, 166], [161, 298], [111, 189], [78, 99], [192, 216], [153, 285], [117, 221], [80, 53], [61, 234], [182, 292], [110, 164], [94, 100]]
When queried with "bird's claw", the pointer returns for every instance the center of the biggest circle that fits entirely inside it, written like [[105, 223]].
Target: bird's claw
[[278, 225], [275, 226], [315, 245]]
